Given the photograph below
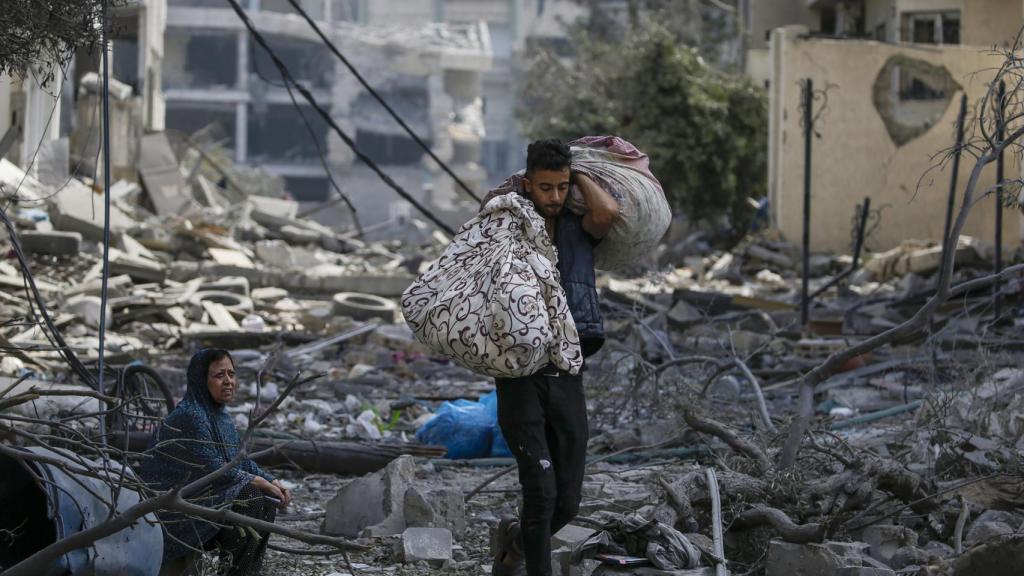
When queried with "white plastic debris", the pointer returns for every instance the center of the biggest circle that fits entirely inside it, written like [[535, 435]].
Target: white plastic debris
[[253, 323]]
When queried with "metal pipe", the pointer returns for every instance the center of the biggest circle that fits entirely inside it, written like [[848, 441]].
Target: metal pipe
[[716, 521], [808, 103], [864, 210], [1000, 176], [951, 201]]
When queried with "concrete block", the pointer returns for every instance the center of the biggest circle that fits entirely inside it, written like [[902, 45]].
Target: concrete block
[[236, 284], [385, 285], [299, 235], [273, 212], [561, 564], [432, 545], [439, 508], [909, 556], [55, 243], [788, 559], [373, 505], [87, 309], [848, 549], [886, 539], [139, 269], [995, 558], [985, 531], [76, 208], [570, 535]]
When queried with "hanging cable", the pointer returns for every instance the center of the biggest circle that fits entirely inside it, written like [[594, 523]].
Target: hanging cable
[[106, 205], [426, 148], [62, 347], [316, 143], [287, 76]]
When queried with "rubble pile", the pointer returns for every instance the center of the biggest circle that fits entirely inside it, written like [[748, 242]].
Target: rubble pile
[[913, 466]]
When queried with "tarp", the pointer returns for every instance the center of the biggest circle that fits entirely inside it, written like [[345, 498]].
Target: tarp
[[72, 505]]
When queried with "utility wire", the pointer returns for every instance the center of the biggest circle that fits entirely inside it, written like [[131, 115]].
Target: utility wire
[[105, 22], [330, 121], [316, 143], [380, 99]]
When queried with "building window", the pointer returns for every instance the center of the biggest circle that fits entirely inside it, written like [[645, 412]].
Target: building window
[[307, 189], [388, 149], [494, 157], [188, 62], [190, 117], [279, 135], [931, 27], [880, 32], [308, 62]]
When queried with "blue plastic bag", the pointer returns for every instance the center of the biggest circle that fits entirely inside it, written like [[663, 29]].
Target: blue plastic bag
[[467, 429]]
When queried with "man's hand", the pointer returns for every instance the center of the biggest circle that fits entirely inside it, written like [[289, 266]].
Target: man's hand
[[602, 209]]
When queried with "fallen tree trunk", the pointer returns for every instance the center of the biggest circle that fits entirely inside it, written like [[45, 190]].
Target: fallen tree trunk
[[346, 458]]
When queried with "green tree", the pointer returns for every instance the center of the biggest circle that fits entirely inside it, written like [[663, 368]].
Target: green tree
[[705, 131], [48, 32]]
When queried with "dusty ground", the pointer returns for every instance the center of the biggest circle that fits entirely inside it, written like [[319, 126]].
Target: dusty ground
[[613, 487]]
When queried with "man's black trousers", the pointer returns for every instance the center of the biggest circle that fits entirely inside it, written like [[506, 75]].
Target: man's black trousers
[[544, 420]]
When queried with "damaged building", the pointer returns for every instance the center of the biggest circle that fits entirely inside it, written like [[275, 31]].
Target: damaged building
[[898, 357], [894, 72]]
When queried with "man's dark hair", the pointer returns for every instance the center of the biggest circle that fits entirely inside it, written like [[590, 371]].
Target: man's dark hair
[[547, 155]]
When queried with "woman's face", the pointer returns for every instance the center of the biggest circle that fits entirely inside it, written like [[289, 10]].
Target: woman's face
[[220, 379]]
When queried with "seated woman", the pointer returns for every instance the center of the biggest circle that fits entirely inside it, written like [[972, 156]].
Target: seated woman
[[196, 438]]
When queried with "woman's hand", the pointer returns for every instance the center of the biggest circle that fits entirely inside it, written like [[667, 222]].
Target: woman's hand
[[286, 495], [273, 489]]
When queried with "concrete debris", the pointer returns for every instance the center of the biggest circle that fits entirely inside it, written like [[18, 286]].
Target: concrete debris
[[885, 540], [788, 559], [430, 545], [373, 505], [54, 243], [195, 262]]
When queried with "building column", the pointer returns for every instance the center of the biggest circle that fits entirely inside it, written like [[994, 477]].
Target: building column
[[6, 85], [344, 92], [152, 28], [241, 108], [42, 115]]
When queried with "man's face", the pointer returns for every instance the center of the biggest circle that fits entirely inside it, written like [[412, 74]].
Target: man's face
[[548, 190]]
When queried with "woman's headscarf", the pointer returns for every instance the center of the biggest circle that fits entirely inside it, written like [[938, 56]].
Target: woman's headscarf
[[196, 438]]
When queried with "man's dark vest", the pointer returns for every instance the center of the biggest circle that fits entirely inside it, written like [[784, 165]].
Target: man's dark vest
[[576, 267]]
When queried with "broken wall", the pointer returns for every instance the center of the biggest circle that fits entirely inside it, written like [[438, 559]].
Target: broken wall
[[991, 22], [858, 154]]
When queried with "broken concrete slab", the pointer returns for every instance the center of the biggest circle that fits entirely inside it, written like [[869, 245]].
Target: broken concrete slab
[[981, 532], [273, 212], [139, 269], [373, 505], [76, 208], [996, 558], [908, 556], [230, 257], [87, 309], [430, 545], [54, 243], [886, 539], [438, 508], [161, 176], [570, 535], [788, 559], [299, 235]]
